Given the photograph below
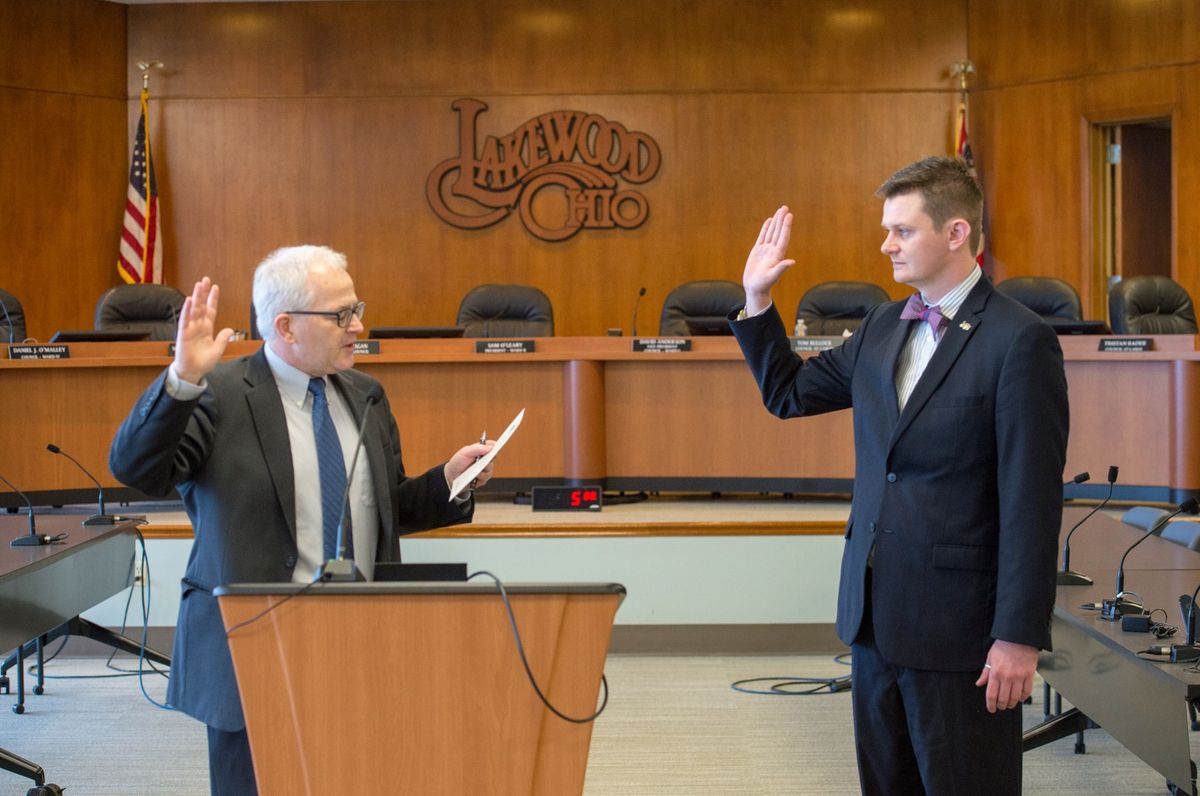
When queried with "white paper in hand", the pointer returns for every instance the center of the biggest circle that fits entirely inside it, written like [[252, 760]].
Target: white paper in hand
[[468, 475]]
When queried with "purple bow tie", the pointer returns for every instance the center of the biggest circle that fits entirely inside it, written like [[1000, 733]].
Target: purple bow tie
[[917, 309]]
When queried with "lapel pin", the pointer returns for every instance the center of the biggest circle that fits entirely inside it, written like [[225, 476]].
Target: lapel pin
[[965, 326]]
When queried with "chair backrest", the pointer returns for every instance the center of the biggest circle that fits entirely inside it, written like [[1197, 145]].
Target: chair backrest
[[141, 308], [1050, 298], [254, 333], [12, 318], [506, 311], [1184, 532], [1150, 305], [830, 308], [708, 300], [1143, 517]]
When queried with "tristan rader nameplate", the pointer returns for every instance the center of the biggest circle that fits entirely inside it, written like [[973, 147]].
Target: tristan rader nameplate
[[1126, 345]]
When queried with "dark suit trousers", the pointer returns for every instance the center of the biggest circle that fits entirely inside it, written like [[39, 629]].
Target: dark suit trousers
[[230, 768], [927, 732]]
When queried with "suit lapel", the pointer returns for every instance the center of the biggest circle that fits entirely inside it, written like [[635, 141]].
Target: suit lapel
[[954, 339], [270, 425], [891, 353]]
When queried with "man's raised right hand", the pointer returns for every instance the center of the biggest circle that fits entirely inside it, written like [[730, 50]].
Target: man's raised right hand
[[766, 263], [197, 348]]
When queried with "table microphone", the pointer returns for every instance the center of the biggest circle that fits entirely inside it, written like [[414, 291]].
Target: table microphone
[[96, 519], [343, 568], [638, 300], [1068, 576], [33, 537], [1115, 608]]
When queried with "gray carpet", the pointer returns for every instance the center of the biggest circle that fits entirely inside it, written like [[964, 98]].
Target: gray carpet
[[673, 726]]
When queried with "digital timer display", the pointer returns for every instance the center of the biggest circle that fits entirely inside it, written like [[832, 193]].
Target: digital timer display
[[567, 498]]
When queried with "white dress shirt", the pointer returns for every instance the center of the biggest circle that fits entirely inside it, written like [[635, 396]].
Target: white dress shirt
[[917, 352]]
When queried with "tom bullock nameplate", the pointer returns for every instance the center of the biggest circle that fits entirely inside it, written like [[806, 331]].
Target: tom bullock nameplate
[[580, 154]]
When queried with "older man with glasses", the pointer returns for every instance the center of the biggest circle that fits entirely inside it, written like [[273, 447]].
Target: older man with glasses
[[258, 448]]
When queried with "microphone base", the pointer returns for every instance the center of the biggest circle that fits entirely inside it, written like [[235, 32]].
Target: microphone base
[[31, 540], [1072, 578], [340, 570], [101, 519]]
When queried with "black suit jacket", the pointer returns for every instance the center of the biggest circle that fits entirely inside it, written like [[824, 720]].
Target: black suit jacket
[[229, 456], [960, 495]]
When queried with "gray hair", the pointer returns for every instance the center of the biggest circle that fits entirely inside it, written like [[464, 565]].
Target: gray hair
[[281, 282]]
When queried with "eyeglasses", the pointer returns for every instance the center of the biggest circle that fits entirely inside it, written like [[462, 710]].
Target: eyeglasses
[[341, 316]]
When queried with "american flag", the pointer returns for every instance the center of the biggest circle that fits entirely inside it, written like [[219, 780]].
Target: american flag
[[140, 259]]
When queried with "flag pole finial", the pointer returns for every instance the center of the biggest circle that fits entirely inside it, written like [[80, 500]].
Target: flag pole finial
[[961, 70], [146, 66]]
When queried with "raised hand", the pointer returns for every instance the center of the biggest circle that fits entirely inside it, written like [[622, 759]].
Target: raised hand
[[766, 262], [197, 348]]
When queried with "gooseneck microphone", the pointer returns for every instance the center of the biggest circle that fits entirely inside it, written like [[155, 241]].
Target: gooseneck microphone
[[33, 537], [1068, 576], [636, 302], [1117, 607], [343, 568], [96, 519]]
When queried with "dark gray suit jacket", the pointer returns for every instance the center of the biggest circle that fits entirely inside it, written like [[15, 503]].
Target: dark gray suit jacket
[[960, 494], [229, 456]]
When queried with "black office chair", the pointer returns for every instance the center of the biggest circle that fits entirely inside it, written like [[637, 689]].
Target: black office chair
[[830, 308], [12, 318], [254, 333], [140, 308], [1052, 299], [506, 311], [705, 302], [1150, 305]]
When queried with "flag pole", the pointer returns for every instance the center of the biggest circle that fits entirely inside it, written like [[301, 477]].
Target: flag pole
[[146, 66], [962, 146], [138, 251]]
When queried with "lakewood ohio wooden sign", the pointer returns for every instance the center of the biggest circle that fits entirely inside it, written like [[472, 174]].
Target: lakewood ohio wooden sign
[[559, 171]]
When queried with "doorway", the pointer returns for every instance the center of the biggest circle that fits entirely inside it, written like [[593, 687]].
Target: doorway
[[1133, 204]]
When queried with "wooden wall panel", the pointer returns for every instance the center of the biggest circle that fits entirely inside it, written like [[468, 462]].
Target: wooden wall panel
[[1024, 41], [283, 123], [536, 47], [63, 46], [240, 177], [1031, 145], [65, 153], [1027, 144], [1185, 138]]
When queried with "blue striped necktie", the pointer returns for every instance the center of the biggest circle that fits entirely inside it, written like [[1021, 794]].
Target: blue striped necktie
[[332, 470]]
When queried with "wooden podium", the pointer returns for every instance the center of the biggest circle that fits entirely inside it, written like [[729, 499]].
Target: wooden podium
[[386, 688]]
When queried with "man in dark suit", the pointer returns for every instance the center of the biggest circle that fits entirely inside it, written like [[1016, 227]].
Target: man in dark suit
[[960, 432], [258, 449]]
